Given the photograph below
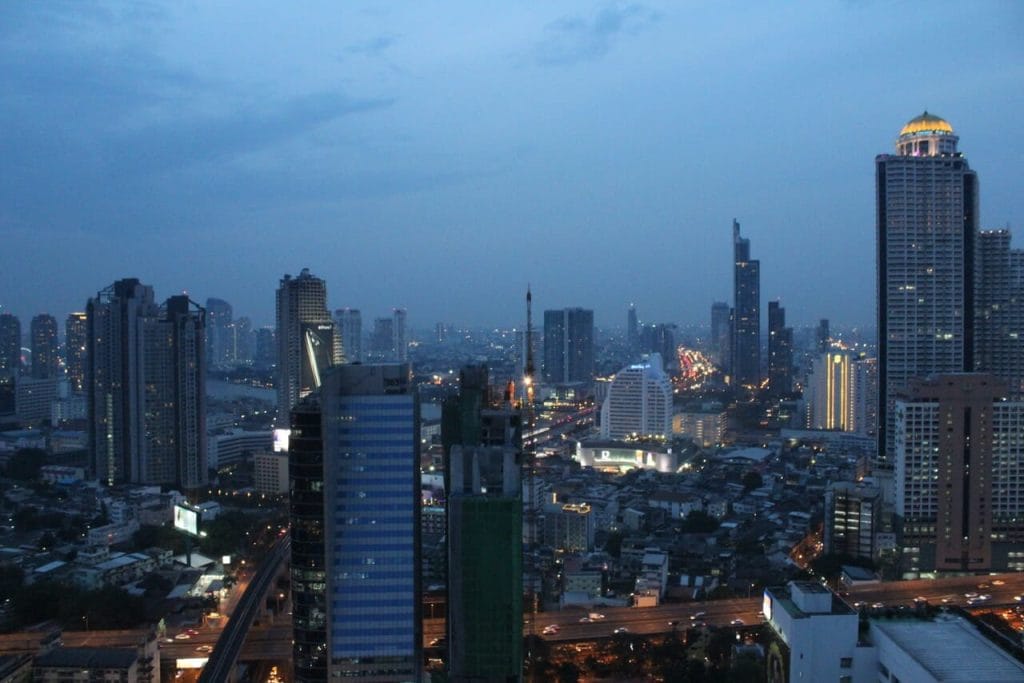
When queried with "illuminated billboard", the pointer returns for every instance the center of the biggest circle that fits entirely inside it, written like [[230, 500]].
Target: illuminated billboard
[[281, 440], [317, 355], [186, 519]]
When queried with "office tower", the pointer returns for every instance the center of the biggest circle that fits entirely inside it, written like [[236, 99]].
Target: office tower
[[266, 348], [45, 360], [865, 396], [959, 463], [483, 444], [383, 339], [75, 339], [927, 211], [305, 338], [852, 511], [660, 338], [10, 344], [999, 309], [240, 342], [721, 331], [399, 344], [632, 331], [568, 346], [780, 351], [349, 322], [829, 396], [639, 402], [356, 472], [823, 335], [146, 387], [219, 341], [746, 325]]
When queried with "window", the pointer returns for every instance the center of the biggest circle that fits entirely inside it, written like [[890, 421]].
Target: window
[[846, 663]]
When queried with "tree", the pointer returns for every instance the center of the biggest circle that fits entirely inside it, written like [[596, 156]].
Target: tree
[[699, 522], [12, 578], [751, 480]]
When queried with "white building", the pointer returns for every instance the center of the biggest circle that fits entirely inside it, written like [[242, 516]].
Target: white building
[[270, 473], [639, 402]]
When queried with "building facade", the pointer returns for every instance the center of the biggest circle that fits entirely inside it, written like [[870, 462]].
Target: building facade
[[745, 365], [350, 323], [569, 346], [639, 402], [10, 344], [45, 356], [146, 387], [75, 341], [959, 461], [780, 350], [305, 339], [367, 503], [927, 217]]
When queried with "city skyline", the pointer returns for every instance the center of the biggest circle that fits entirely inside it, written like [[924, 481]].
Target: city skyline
[[535, 147]]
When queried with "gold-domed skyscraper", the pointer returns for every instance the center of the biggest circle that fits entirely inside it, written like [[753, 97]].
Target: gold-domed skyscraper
[[927, 218]]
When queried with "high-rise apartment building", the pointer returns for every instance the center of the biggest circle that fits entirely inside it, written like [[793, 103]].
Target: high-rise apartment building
[[241, 340], [483, 443], [721, 333], [10, 344], [350, 322], [823, 335], [639, 402], [356, 520], [305, 339], [959, 463], [569, 346], [829, 396], [660, 338], [927, 213], [383, 340], [45, 357], [746, 321], [780, 350], [219, 334], [999, 309], [75, 341], [865, 396], [266, 348], [146, 387]]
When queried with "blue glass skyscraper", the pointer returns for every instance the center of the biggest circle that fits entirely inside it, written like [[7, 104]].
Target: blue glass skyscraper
[[371, 500]]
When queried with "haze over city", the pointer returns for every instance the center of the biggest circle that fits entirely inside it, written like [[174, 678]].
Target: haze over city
[[440, 158]]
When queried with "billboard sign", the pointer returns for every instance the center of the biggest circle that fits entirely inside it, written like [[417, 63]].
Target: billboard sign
[[186, 519]]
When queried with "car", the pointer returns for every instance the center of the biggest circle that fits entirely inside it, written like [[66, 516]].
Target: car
[[596, 615], [970, 595], [621, 629], [736, 622], [585, 620], [674, 623], [550, 630], [946, 600], [182, 636], [192, 632], [204, 648], [998, 582], [438, 642], [1018, 598], [983, 586], [698, 615], [920, 598]]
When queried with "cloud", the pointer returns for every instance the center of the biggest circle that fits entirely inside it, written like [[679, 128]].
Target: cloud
[[373, 46], [576, 39]]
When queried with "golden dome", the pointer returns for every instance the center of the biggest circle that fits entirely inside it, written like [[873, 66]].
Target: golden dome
[[927, 123]]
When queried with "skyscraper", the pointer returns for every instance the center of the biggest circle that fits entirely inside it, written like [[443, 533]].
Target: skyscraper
[[305, 339], [45, 359], [75, 340], [569, 346], [927, 204], [10, 344], [746, 323], [721, 331], [829, 397], [399, 343], [146, 387], [632, 331], [219, 342], [383, 340], [639, 402], [999, 309], [823, 335], [483, 445], [367, 499], [780, 350], [350, 322]]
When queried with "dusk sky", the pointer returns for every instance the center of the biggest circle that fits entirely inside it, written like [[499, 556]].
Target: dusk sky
[[441, 155]]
